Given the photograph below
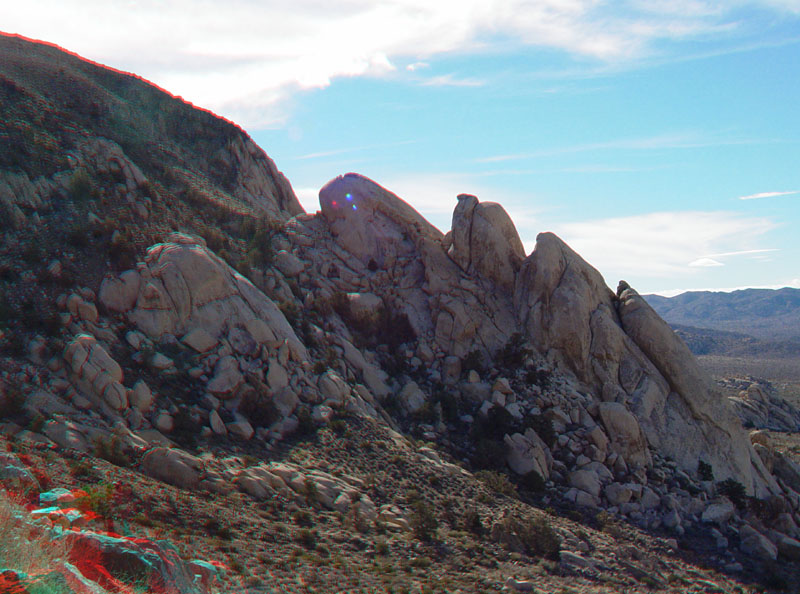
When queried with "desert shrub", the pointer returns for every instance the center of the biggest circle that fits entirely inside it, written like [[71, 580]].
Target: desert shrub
[[303, 518], [539, 377], [80, 187], [257, 404], [306, 427], [450, 405], [472, 521], [99, 499], [384, 326], [425, 414], [473, 361], [78, 235], [290, 311], [214, 528], [122, 252], [489, 453], [705, 471], [514, 353], [216, 240], [423, 521], [497, 482], [532, 481], [535, 537], [112, 451], [26, 548], [733, 490], [543, 428], [12, 401], [497, 423], [307, 538], [81, 469]]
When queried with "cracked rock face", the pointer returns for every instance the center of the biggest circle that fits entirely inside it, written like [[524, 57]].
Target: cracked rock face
[[484, 289], [182, 287]]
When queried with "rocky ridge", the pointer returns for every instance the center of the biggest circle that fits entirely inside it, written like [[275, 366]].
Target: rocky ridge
[[506, 361]]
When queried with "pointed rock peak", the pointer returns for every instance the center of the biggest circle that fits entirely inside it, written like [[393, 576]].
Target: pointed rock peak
[[355, 197], [486, 241]]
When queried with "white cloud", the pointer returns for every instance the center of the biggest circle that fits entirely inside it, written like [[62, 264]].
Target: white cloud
[[768, 195], [309, 198], [675, 140], [245, 59], [705, 263], [417, 66], [450, 80], [743, 253], [659, 245]]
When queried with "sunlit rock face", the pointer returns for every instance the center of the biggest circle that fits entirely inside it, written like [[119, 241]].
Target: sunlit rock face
[[370, 222]]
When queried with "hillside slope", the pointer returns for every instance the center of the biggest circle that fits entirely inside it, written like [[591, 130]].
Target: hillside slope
[[767, 314]]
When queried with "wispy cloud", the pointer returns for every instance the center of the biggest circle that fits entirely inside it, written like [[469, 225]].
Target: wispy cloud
[[743, 253], [705, 263], [336, 152], [664, 244], [450, 80], [768, 195], [248, 59], [680, 140], [417, 66]]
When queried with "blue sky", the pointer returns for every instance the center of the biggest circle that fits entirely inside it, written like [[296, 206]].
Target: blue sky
[[659, 139]]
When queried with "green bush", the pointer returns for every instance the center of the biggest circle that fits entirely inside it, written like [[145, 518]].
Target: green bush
[[543, 428], [514, 353], [705, 471], [536, 537], [489, 453], [497, 482], [112, 451], [80, 187], [733, 490], [532, 481], [423, 521]]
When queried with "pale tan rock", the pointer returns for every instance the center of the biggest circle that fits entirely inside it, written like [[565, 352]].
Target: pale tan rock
[[189, 287], [216, 424], [259, 330], [173, 466], [277, 378], [116, 396], [227, 378], [241, 429], [625, 434], [119, 294], [141, 397], [411, 398], [701, 424], [199, 340], [164, 422], [526, 453], [88, 359], [586, 480], [289, 264], [332, 386]]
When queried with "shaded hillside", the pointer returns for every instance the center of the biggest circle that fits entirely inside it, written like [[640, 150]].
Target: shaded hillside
[[707, 341], [766, 314]]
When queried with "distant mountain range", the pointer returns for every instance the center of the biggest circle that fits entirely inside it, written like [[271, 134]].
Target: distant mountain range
[[760, 322]]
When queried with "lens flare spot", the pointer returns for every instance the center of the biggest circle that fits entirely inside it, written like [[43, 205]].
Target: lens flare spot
[[355, 207], [349, 197], [334, 203]]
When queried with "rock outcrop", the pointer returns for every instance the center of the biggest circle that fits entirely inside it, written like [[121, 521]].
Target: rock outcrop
[[183, 288]]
